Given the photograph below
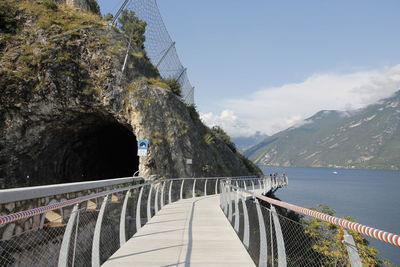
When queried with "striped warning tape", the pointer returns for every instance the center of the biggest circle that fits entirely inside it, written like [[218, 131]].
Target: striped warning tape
[[357, 227]]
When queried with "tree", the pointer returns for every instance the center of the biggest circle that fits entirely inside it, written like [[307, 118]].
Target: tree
[[108, 17], [132, 27], [327, 242]]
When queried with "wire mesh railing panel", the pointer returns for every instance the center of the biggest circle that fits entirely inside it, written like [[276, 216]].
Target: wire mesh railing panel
[[87, 230], [33, 248], [279, 236], [109, 234], [80, 250], [254, 245], [305, 249], [131, 211], [187, 189]]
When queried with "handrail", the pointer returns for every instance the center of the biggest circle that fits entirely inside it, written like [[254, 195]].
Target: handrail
[[387, 237], [32, 192], [40, 210], [354, 226]]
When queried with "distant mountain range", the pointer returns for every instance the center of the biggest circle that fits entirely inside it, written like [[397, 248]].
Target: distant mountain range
[[366, 138], [243, 143]]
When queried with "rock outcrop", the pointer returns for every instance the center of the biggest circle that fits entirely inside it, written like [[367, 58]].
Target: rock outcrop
[[69, 113]]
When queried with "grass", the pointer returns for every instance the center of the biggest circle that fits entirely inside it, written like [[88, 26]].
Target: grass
[[49, 14]]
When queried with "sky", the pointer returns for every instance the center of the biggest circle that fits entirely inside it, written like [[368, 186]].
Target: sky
[[266, 65]]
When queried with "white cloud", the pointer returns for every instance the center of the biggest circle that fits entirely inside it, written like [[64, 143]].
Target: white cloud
[[229, 122], [274, 109]]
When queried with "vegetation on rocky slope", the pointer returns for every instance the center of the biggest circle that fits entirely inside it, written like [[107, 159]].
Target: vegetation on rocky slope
[[367, 138], [70, 112]]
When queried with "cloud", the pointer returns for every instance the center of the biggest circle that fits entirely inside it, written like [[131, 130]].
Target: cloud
[[274, 109], [229, 122]]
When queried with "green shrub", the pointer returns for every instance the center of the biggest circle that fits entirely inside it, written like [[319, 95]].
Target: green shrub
[[218, 131], [108, 17], [94, 6], [174, 86], [193, 112], [132, 27], [8, 21], [157, 82], [209, 139], [50, 5]]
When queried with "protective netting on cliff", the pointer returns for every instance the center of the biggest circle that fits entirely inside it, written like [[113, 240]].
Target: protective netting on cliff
[[160, 48]]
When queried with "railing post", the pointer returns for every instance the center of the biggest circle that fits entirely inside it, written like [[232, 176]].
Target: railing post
[[252, 183], [169, 193], [194, 188], [64, 250], [156, 199], [181, 193], [122, 236], [263, 237], [205, 187], [246, 225], [149, 204], [96, 235], [265, 185], [216, 187], [271, 238], [245, 187], [162, 194], [138, 219], [224, 191], [236, 225], [354, 257], [230, 213], [279, 239]]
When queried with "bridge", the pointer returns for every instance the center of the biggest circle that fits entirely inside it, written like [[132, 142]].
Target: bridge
[[214, 221], [203, 221]]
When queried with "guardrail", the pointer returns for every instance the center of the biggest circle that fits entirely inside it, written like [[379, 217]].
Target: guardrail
[[87, 230], [276, 233], [34, 192]]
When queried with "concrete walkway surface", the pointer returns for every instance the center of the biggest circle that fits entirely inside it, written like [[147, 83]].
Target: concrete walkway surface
[[189, 232]]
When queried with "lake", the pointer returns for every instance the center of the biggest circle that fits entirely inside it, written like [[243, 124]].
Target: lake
[[370, 197]]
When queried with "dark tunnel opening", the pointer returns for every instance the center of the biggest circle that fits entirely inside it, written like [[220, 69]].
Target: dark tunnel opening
[[87, 148], [104, 152]]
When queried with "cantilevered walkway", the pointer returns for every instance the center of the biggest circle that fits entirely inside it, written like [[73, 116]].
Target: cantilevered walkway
[[191, 232]]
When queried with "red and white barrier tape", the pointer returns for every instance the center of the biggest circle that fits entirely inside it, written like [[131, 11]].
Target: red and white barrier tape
[[357, 227]]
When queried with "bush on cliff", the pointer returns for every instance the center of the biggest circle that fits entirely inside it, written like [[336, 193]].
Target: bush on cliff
[[8, 21], [132, 27]]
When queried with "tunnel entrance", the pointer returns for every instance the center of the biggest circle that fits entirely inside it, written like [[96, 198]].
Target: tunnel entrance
[[88, 147]]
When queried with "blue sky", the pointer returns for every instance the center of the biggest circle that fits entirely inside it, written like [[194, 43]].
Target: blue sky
[[236, 50]]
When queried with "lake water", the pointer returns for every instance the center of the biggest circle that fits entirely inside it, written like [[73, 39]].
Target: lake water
[[371, 197]]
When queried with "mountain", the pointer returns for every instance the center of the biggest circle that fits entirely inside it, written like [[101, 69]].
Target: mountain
[[243, 143], [366, 138]]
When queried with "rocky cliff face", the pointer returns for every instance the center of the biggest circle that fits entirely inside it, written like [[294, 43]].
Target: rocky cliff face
[[68, 112]]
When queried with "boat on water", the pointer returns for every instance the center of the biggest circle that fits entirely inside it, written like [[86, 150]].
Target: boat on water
[[335, 172]]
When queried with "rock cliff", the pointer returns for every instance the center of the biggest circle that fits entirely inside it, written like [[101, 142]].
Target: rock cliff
[[69, 113]]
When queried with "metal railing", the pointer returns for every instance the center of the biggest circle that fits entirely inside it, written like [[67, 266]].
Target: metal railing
[[276, 233], [87, 230]]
